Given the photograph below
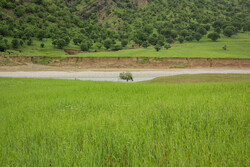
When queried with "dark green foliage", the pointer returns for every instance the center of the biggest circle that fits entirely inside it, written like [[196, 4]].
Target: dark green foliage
[[84, 46], [184, 33], [99, 45], [246, 27], [156, 21], [42, 45], [41, 34], [213, 36], [169, 40], [59, 43], [153, 39], [202, 31], [124, 42], [157, 47], [218, 30], [21, 42], [117, 47], [15, 43], [29, 42], [197, 36], [145, 44], [207, 27], [181, 39], [229, 31], [167, 46], [3, 46], [108, 43], [189, 38]]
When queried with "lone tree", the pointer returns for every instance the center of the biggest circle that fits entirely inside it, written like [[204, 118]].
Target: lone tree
[[157, 47], [214, 36], [126, 76]]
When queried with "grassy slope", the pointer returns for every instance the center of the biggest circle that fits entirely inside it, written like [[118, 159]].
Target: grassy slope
[[198, 78], [238, 47], [70, 122]]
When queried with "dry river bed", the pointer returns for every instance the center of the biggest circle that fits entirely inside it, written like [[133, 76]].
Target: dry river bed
[[107, 74]]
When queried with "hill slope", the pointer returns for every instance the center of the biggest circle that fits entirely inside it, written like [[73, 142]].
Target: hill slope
[[115, 23]]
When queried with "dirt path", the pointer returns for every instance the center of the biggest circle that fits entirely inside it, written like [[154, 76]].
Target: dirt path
[[102, 73]]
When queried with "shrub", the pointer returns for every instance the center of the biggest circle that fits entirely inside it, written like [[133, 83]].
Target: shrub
[[224, 47], [29, 42], [126, 76], [108, 43], [3, 46], [229, 31], [117, 47], [99, 45], [189, 38], [42, 45], [169, 40], [218, 30], [84, 46], [198, 36], [202, 31], [167, 46], [213, 36], [157, 47], [124, 42], [15, 43], [145, 44], [181, 39]]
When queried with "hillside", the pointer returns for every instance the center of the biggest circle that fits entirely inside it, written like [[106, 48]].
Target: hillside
[[115, 24]]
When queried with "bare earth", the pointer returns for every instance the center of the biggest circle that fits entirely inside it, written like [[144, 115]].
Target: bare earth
[[41, 71]]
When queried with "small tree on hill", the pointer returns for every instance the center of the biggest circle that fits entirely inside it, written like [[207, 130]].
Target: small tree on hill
[[108, 43], [29, 42], [198, 36], [157, 47], [228, 31], [42, 45], [126, 76], [167, 46], [84, 46], [202, 31], [15, 43], [124, 42], [218, 30], [145, 44], [213, 36], [181, 39]]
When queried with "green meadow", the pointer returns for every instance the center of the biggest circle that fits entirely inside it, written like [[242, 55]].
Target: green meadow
[[237, 47], [49, 122]]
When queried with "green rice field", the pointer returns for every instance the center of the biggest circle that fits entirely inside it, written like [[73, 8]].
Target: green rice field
[[50, 122]]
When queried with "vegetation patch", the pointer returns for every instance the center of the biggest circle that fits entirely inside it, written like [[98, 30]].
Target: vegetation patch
[[179, 65], [145, 60], [199, 78]]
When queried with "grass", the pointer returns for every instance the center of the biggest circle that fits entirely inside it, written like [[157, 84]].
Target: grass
[[48, 122], [238, 47], [199, 78]]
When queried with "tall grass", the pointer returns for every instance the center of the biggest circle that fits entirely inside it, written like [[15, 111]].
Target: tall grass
[[75, 123]]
